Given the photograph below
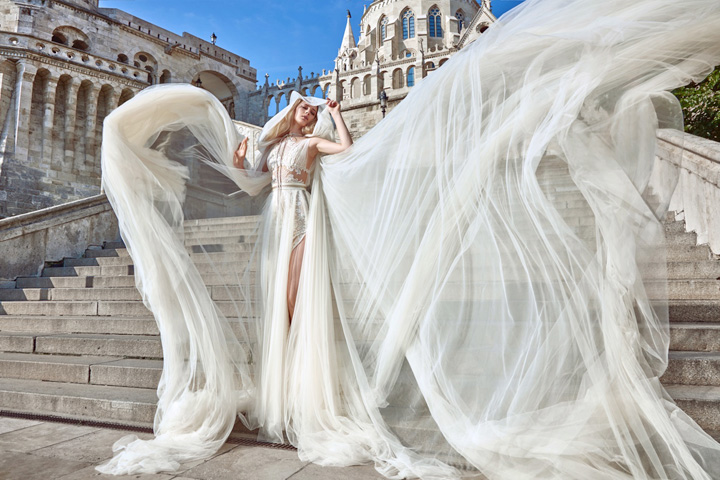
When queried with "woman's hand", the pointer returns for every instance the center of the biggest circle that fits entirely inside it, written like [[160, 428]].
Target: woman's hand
[[333, 107], [239, 155]]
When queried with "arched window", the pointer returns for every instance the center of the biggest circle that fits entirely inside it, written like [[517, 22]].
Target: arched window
[[411, 77], [397, 78], [460, 20], [383, 28], [435, 22], [408, 22], [122, 58]]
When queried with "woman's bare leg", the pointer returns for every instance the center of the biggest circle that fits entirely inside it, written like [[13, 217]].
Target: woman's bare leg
[[296, 258]]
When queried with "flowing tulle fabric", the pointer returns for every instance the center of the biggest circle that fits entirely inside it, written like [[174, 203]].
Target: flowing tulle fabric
[[482, 284]]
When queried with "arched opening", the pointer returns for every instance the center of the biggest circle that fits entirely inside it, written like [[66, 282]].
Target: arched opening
[[81, 45], [67, 35], [411, 77], [434, 22], [220, 86], [367, 85], [82, 103], [60, 123], [482, 27], [442, 62], [382, 27], [355, 88], [165, 77], [344, 92], [282, 101], [59, 37], [122, 58], [317, 91], [460, 17], [271, 106], [408, 24], [104, 108], [326, 90], [397, 78], [125, 95], [36, 133]]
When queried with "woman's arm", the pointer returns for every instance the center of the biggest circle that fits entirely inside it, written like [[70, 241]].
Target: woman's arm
[[239, 155], [326, 147]]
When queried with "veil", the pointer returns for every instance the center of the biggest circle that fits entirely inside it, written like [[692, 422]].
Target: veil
[[483, 280]]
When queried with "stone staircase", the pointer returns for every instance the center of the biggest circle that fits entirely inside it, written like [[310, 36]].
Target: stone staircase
[[78, 343]]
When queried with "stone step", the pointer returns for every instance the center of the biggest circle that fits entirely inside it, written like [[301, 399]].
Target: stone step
[[688, 253], [128, 346], [119, 281], [37, 325], [695, 337], [681, 238], [693, 368], [222, 221], [53, 368], [209, 248], [106, 294], [248, 227], [707, 269], [121, 270], [694, 311], [702, 403], [699, 289], [197, 258], [130, 406]]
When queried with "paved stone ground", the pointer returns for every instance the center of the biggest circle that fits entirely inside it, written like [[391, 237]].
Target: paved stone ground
[[35, 450]]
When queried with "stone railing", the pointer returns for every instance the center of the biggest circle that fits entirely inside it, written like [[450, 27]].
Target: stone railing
[[697, 195], [28, 241]]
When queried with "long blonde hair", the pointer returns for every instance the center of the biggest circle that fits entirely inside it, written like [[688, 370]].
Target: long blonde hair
[[283, 126]]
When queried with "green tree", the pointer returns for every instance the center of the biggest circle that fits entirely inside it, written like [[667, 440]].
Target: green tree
[[701, 106]]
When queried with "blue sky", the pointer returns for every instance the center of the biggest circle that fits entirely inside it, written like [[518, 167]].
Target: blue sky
[[276, 36]]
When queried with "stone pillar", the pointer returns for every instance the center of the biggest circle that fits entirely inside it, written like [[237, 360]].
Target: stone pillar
[[48, 119], [375, 81], [70, 116], [22, 106], [335, 91], [90, 123]]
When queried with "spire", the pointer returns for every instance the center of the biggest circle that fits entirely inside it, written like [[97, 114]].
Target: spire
[[348, 38]]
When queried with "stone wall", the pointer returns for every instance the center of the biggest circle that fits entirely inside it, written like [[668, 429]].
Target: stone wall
[[64, 66]]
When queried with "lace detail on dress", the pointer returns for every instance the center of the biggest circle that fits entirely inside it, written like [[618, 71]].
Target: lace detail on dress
[[287, 163]]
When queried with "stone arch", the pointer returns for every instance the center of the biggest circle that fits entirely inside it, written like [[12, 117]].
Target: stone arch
[[269, 104], [410, 76], [482, 27], [382, 79], [304, 91], [398, 80], [104, 107], [219, 85], [442, 62], [326, 90], [367, 85], [60, 126], [71, 36], [125, 95], [282, 100], [37, 110], [145, 61], [355, 88], [165, 77], [81, 113], [317, 89], [344, 92]]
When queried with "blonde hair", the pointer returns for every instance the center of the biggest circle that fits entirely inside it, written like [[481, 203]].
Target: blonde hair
[[283, 126]]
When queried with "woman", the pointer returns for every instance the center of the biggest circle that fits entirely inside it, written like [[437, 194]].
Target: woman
[[473, 286]]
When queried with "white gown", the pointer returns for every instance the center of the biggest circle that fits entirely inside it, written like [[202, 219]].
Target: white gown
[[451, 310]]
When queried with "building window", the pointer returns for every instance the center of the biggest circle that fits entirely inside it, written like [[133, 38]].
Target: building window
[[408, 22], [383, 28], [411, 77], [460, 20], [435, 19]]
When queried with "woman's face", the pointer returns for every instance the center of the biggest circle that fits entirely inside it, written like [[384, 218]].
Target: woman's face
[[305, 114]]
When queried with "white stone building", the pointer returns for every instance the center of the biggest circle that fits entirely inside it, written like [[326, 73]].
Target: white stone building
[[64, 65], [400, 43]]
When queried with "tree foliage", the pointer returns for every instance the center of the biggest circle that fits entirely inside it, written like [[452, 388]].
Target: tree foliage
[[701, 106]]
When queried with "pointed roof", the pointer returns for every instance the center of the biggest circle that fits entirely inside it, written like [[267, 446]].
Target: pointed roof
[[348, 37]]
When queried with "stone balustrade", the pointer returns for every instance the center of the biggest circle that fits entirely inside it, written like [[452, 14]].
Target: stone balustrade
[[697, 195]]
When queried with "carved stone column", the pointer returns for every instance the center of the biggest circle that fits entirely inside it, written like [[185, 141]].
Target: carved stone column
[[48, 119], [90, 122], [22, 106], [70, 116]]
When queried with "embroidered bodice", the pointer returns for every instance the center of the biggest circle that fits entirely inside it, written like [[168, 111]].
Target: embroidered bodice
[[287, 163]]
